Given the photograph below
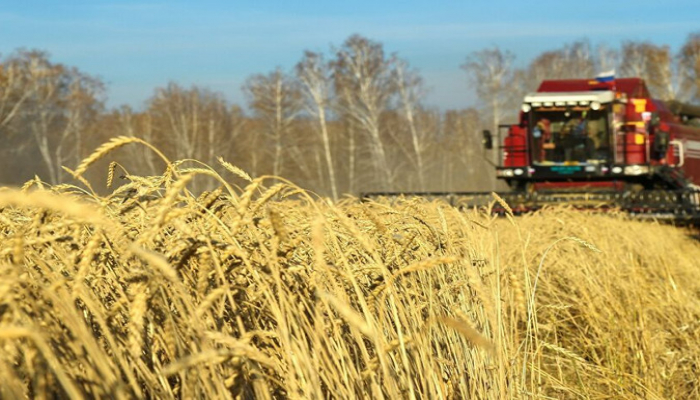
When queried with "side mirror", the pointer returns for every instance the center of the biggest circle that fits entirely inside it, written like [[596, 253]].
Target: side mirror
[[661, 141], [487, 139], [655, 119]]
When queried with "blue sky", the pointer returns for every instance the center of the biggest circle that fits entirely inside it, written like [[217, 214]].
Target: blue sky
[[136, 46]]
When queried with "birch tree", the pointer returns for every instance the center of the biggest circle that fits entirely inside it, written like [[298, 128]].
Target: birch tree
[[313, 73], [665, 76], [276, 99], [461, 143], [410, 90], [14, 84], [179, 116], [130, 123], [364, 87], [491, 73], [190, 124], [656, 65], [54, 107], [607, 58], [579, 60], [689, 59], [634, 62], [572, 61], [82, 108], [44, 87]]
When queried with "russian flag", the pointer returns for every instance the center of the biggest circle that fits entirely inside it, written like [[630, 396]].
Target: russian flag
[[607, 76]]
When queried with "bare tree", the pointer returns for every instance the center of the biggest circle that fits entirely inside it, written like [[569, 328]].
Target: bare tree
[[233, 142], [276, 99], [82, 109], [689, 60], [305, 152], [465, 159], [130, 123], [491, 72], [183, 118], [666, 75], [579, 59], [363, 86], [349, 127], [191, 124], [13, 88], [409, 86], [607, 58], [313, 73], [548, 65], [44, 84], [635, 62], [657, 66], [572, 61], [54, 106]]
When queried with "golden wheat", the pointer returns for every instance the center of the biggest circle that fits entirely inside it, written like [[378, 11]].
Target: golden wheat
[[264, 292]]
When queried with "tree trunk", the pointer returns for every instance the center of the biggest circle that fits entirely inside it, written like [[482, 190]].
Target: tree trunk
[[327, 151], [380, 164], [43, 144], [351, 158]]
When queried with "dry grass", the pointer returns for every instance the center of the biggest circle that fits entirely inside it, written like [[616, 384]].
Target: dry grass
[[267, 292]]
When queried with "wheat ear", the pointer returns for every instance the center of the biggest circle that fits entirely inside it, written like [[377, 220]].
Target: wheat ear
[[235, 170], [114, 144], [101, 151]]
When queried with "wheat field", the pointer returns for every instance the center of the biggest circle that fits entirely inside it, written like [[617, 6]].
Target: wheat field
[[264, 290]]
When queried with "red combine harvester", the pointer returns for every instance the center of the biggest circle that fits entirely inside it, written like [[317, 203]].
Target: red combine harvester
[[597, 144]]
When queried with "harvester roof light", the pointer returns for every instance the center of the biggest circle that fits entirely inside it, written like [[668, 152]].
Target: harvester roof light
[[636, 169], [604, 96], [595, 106], [570, 103], [583, 103], [537, 104], [548, 104], [505, 172], [526, 107], [560, 103]]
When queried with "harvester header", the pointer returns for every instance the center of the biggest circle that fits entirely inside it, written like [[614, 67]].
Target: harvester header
[[590, 134]]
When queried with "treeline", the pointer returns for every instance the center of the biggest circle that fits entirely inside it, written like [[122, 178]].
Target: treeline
[[350, 120]]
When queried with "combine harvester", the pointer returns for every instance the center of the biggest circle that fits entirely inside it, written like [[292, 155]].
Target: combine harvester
[[596, 144]]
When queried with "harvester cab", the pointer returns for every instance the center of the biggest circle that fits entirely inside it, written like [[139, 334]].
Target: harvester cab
[[600, 138]]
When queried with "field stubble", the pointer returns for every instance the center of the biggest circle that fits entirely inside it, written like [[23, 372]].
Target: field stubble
[[266, 291]]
